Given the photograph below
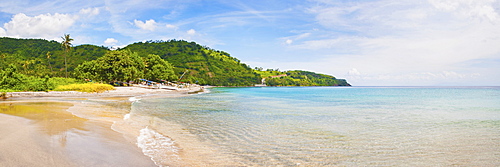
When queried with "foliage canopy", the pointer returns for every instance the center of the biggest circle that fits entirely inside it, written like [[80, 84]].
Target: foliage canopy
[[113, 66], [38, 65], [124, 65], [203, 65], [305, 78]]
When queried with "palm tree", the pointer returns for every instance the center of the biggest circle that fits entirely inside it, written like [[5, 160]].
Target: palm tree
[[48, 60], [66, 46]]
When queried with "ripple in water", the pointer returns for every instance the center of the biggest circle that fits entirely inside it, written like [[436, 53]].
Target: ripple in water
[[336, 126]]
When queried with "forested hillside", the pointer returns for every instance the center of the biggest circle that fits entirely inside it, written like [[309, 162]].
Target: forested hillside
[[300, 78], [199, 64], [37, 64], [40, 57]]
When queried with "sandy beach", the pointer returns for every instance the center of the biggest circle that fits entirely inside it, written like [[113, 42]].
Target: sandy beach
[[119, 91], [71, 128]]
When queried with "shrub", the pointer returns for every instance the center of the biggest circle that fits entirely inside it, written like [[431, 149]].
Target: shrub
[[53, 83]]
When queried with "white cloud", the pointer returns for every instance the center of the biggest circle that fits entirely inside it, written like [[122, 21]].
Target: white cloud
[[445, 5], [46, 26], [90, 11], [399, 39], [379, 38], [147, 25], [110, 41], [2, 32], [448, 78], [325, 43], [191, 32], [289, 40], [387, 17], [469, 8], [353, 72], [170, 26], [303, 35]]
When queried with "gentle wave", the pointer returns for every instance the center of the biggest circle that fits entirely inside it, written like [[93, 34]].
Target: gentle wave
[[133, 99], [161, 149], [126, 116], [320, 126]]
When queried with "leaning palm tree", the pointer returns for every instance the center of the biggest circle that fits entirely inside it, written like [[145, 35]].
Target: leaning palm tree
[[66, 46]]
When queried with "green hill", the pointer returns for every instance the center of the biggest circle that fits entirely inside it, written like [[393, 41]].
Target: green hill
[[303, 78], [40, 57], [200, 64], [28, 47], [191, 63]]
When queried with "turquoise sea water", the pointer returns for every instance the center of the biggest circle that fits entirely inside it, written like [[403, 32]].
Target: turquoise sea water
[[338, 126]]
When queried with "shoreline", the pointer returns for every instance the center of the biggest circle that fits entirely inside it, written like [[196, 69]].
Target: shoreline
[[92, 124], [119, 91], [44, 133]]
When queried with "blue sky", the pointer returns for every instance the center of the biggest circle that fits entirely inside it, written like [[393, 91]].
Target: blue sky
[[368, 42]]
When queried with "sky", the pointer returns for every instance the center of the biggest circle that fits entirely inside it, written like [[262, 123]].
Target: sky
[[367, 42]]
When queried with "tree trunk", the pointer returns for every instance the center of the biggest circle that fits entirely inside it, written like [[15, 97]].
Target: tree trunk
[[66, 65]]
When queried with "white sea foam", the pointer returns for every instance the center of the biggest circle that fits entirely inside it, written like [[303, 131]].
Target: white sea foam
[[133, 99], [161, 149], [126, 116]]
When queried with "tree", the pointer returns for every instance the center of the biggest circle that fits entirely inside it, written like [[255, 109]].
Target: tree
[[114, 66], [48, 60], [9, 77], [305, 78], [205, 65], [66, 46], [157, 69]]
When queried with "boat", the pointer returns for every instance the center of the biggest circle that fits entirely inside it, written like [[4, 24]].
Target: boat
[[168, 87]]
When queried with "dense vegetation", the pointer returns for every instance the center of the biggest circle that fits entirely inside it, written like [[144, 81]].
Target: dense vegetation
[[38, 57], [304, 78], [200, 64], [268, 73], [126, 66], [41, 65], [11, 80], [38, 65]]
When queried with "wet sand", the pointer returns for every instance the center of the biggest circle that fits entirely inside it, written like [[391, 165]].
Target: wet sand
[[43, 133], [72, 128]]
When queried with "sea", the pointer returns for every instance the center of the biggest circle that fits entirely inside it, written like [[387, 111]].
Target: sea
[[323, 126]]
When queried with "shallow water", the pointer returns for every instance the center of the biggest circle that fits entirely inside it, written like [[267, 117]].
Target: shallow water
[[325, 126]]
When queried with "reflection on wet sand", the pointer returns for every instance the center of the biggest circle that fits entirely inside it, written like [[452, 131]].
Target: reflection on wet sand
[[50, 117], [62, 138]]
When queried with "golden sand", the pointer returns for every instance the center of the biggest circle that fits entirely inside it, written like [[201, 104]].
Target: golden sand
[[72, 128], [45, 134]]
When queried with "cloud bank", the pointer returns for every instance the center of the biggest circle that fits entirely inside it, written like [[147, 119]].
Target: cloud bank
[[419, 41]]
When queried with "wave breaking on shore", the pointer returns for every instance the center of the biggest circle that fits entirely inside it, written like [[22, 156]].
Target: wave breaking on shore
[[160, 149], [141, 130]]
